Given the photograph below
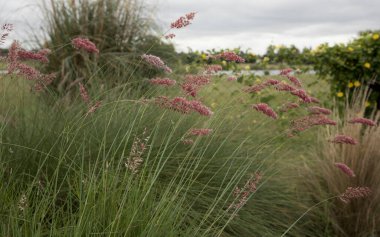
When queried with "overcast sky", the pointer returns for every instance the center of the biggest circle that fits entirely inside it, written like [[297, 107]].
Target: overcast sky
[[250, 24]]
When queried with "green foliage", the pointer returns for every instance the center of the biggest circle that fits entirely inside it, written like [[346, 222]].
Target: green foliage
[[352, 64]]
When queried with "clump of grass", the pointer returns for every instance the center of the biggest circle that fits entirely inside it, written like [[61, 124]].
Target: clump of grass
[[359, 217], [121, 29]]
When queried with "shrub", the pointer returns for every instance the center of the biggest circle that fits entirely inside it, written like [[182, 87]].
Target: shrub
[[352, 64], [122, 31]]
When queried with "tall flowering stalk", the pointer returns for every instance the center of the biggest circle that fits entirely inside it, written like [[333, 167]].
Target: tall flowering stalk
[[319, 110], [242, 195], [183, 21], [135, 159]]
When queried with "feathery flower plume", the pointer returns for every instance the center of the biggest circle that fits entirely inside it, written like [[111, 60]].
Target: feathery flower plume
[[284, 87], [169, 36], [288, 106], [135, 158], [241, 195], [231, 78], [343, 139], [5, 30], [307, 122], [27, 71], [93, 108], [200, 131], [230, 56], [183, 21], [12, 58], [85, 44], [271, 82], [44, 80], [200, 108], [319, 110], [265, 109], [193, 83], [302, 95], [345, 169], [213, 68], [182, 105], [286, 71], [162, 81], [156, 62], [314, 100], [294, 80], [23, 54], [84, 93], [354, 193], [363, 121]]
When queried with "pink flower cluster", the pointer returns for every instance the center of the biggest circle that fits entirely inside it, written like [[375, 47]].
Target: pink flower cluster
[[261, 86], [193, 83], [363, 121], [294, 80], [230, 56], [156, 62], [241, 195], [344, 139], [354, 193], [300, 93], [39, 56], [307, 122], [85, 44], [84, 93], [345, 169], [319, 110], [183, 21], [213, 68], [163, 81], [265, 109], [184, 106], [284, 87], [286, 71], [200, 131]]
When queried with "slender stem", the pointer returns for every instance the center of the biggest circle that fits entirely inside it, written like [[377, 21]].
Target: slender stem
[[307, 211]]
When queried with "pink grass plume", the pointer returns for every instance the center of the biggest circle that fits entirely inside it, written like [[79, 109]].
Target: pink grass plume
[[319, 110], [183, 21], [265, 109], [85, 44], [84, 93], [344, 139], [363, 121], [156, 62], [354, 193], [345, 169]]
